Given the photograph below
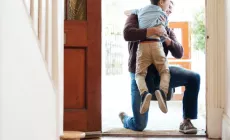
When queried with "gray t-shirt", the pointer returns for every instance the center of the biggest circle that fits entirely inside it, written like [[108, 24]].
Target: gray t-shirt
[[149, 16]]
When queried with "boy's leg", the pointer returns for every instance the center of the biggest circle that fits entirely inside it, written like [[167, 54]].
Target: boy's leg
[[161, 64], [143, 61]]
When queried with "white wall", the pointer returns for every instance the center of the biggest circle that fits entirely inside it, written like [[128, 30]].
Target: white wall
[[27, 98], [227, 108], [226, 116]]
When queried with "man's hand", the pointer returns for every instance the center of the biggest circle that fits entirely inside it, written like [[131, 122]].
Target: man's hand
[[168, 41], [158, 30]]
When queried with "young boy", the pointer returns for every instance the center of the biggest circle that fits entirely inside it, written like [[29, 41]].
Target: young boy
[[150, 51]]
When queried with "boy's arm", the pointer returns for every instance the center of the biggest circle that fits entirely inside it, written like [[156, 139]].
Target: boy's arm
[[161, 19], [132, 11], [132, 32], [128, 12]]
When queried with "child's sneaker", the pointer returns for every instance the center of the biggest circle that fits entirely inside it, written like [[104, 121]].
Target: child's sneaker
[[145, 102], [161, 98]]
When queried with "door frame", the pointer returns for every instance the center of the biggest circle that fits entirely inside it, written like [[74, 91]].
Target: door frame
[[215, 44], [216, 66], [58, 61]]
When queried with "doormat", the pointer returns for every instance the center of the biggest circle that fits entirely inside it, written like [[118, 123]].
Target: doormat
[[150, 133]]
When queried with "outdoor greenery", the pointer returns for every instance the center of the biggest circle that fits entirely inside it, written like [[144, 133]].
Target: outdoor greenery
[[198, 30]]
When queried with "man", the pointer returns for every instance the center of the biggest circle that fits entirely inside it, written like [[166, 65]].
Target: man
[[179, 77]]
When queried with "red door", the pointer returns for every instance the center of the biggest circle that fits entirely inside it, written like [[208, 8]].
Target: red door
[[82, 65]]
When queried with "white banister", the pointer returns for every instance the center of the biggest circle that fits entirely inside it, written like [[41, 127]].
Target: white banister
[[50, 35], [48, 49], [41, 15], [48, 23], [34, 14], [42, 25]]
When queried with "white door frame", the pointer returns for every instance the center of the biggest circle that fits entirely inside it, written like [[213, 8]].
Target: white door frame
[[58, 60], [215, 66]]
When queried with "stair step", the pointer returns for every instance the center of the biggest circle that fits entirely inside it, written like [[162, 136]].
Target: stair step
[[73, 135]]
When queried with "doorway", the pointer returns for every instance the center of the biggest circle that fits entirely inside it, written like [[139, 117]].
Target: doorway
[[215, 40], [190, 31]]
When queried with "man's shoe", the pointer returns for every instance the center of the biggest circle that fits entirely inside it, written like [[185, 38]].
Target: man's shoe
[[122, 116], [145, 102], [187, 127], [161, 98]]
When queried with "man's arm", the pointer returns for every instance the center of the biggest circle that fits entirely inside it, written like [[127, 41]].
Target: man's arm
[[173, 45], [132, 32]]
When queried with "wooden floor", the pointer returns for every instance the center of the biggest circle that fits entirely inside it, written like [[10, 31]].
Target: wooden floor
[[75, 135], [162, 138]]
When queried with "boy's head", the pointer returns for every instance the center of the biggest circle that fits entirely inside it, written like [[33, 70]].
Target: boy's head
[[170, 9], [164, 4]]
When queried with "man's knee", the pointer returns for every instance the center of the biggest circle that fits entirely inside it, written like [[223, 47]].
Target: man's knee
[[141, 127], [194, 81], [196, 78]]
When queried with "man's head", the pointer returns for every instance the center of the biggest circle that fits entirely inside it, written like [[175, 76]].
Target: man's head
[[170, 9], [164, 4]]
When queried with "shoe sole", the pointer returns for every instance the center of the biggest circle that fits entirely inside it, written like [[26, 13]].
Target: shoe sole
[[161, 102], [190, 131], [146, 103]]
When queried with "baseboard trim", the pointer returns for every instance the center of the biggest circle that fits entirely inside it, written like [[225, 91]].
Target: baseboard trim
[[214, 121], [226, 127]]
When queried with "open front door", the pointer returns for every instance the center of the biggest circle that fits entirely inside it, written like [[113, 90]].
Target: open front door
[[82, 65]]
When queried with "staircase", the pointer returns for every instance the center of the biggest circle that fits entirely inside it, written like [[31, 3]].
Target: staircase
[[31, 61], [41, 13], [48, 26]]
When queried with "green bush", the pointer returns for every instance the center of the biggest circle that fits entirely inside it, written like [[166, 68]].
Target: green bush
[[198, 30]]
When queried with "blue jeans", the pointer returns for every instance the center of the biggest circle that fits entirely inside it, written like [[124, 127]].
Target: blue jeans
[[179, 77]]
